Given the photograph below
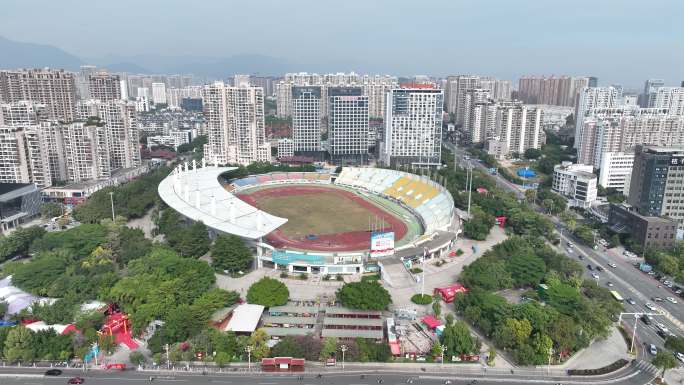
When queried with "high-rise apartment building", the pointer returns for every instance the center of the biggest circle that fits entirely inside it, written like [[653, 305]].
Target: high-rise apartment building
[[656, 182], [54, 88], [590, 98], [82, 81], [649, 88], [235, 123], [306, 119], [348, 124], [86, 146], [158, 93], [670, 98], [375, 87], [120, 123], [518, 127], [479, 115], [22, 113], [558, 91], [413, 127], [175, 96], [104, 86], [24, 156]]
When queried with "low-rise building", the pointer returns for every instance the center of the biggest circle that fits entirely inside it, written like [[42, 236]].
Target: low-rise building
[[576, 183], [615, 171], [647, 231], [19, 202]]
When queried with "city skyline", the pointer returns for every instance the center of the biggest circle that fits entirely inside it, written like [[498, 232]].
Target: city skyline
[[584, 38]]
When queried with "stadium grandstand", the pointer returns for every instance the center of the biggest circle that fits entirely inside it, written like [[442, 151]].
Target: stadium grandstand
[[318, 222]]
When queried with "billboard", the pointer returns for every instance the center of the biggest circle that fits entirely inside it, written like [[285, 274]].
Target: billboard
[[382, 244]]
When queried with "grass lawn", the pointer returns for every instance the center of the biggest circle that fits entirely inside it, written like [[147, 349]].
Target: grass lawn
[[321, 213]]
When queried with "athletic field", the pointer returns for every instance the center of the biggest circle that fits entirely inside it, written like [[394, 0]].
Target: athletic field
[[323, 218]]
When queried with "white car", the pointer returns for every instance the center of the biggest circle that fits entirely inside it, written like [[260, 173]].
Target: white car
[[650, 306], [569, 250], [653, 350], [671, 300], [596, 276], [612, 265], [679, 356]]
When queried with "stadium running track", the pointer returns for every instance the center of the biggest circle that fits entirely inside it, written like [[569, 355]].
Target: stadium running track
[[337, 242]]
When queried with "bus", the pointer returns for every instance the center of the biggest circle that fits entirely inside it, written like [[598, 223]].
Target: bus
[[616, 295]]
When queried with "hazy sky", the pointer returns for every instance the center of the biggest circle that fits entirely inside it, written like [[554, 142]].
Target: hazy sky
[[617, 40]]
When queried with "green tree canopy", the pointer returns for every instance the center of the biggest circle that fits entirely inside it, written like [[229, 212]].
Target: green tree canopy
[[19, 345], [229, 253], [268, 292], [457, 339], [364, 295]]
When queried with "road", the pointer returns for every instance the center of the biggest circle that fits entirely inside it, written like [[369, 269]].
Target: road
[[27, 376]]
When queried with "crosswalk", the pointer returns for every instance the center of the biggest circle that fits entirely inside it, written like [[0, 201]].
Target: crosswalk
[[646, 366]]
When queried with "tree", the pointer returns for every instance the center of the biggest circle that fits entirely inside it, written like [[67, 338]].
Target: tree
[[491, 356], [436, 350], [457, 339], [287, 347], [532, 153], [364, 295], [268, 292], [526, 269], [19, 345], [664, 361], [513, 333], [51, 210], [437, 309], [194, 241], [230, 253], [569, 219], [137, 358], [530, 195], [259, 343], [329, 348]]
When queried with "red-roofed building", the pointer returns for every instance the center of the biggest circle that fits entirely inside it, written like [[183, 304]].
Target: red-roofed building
[[417, 85], [277, 364], [448, 293], [431, 322]]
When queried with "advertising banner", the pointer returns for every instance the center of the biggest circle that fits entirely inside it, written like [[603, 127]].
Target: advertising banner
[[382, 244]]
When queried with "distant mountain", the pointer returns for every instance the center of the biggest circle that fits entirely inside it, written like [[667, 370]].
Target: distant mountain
[[15, 54]]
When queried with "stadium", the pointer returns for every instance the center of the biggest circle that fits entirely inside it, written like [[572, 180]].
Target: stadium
[[317, 222]]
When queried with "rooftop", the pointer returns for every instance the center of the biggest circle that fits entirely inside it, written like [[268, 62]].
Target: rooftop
[[352, 333], [245, 318]]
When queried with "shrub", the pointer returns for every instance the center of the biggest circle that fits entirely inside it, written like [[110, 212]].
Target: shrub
[[459, 252], [339, 278], [284, 275], [424, 299], [416, 270], [326, 277], [303, 277]]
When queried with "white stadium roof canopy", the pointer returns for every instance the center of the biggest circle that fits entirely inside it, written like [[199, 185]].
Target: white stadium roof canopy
[[197, 194]]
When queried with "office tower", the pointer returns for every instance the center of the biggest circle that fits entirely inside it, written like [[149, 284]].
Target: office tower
[[306, 119], [558, 91], [656, 182], [616, 170], [590, 98], [413, 127], [348, 124], [86, 146], [104, 86], [592, 81], [23, 113], [158, 93], [649, 88], [24, 156], [54, 88], [235, 123], [479, 115], [519, 127], [670, 98]]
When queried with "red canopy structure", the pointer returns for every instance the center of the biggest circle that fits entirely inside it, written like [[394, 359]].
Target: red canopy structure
[[118, 325], [276, 364], [448, 293], [431, 322]]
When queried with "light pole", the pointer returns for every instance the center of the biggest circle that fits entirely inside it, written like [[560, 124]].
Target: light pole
[[443, 350], [168, 357], [111, 199], [344, 349], [248, 349], [636, 319], [548, 370]]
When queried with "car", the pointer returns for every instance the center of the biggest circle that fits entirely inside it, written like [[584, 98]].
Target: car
[[590, 267], [645, 319], [660, 326], [610, 284], [652, 349], [631, 301], [665, 334], [656, 299], [650, 306], [53, 372], [679, 356], [651, 272], [613, 265], [569, 250], [669, 284], [599, 268], [570, 244], [581, 257], [76, 380], [671, 300], [596, 276], [679, 291]]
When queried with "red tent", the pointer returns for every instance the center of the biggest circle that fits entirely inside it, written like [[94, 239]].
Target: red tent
[[431, 322], [448, 293]]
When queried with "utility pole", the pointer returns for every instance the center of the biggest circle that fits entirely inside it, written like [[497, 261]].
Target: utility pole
[[443, 350], [168, 357], [111, 199], [248, 349], [344, 349], [549, 366], [422, 280], [636, 319], [469, 186]]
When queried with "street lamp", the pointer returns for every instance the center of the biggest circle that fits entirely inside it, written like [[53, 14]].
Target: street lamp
[[248, 349], [550, 355], [443, 350], [344, 349], [111, 199]]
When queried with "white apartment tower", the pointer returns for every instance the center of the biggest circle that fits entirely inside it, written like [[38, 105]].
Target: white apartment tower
[[348, 124], [591, 98], [24, 156], [670, 98], [87, 151], [23, 113], [413, 127], [235, 123], [519, 127], [158, 93], [119, 119], [306, 119], [478, 115]]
